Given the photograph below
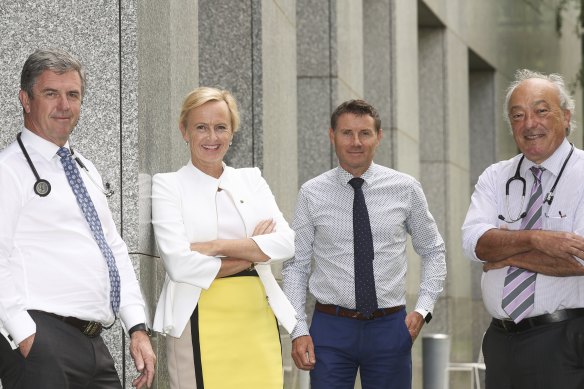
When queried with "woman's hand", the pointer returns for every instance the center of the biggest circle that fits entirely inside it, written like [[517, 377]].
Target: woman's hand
[[230, 266], [244, 248], [264, 227]]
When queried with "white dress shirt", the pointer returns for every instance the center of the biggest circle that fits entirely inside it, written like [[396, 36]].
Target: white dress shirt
[[566, 213], [324, 231], [49, 260]]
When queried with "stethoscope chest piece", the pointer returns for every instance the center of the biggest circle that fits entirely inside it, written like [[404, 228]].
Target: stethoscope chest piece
[[42, 187]]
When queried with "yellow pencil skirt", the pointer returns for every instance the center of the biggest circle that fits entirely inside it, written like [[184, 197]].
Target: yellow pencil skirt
[[238, 339]]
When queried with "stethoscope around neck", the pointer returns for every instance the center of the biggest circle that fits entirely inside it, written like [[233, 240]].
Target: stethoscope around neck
[[42, 187], [549, 198]]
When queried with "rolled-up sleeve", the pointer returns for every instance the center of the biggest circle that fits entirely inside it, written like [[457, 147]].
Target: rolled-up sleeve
[[482, 213]]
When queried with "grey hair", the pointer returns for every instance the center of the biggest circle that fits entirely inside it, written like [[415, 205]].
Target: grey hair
[[56, 60], [567, 102]]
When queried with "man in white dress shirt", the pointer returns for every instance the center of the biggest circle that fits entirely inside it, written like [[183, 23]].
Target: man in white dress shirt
[[525, 224], [63, 275]]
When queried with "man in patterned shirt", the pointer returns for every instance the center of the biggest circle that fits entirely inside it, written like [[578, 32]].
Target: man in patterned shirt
[[342, 339]]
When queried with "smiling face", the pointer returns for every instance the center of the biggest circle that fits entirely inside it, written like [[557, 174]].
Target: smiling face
[[53, 109], [208, 133], [355, 141], [538, 122]]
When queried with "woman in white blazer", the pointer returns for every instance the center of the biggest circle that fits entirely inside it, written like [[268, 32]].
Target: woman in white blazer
[[218, 229]]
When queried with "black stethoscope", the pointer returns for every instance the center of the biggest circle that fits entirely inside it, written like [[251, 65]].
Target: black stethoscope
[[42, 187], [548, 198]]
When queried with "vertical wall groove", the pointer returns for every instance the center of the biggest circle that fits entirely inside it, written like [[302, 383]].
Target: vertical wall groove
[[121, 163]]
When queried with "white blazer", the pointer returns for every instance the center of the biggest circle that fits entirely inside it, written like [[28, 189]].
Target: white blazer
[[184, 212]]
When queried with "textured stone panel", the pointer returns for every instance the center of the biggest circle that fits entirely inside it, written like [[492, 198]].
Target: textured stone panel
[[279, 105], [227, 56], [349, 50], [377, 70], [313, 37], [314, 109], [432, 94], [482, 122]]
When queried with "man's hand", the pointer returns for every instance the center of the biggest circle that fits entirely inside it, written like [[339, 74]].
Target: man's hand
[[303, 352], [558, 244], [144, 359], [414, 322], [538, 262], [26, 345], [500, 244]]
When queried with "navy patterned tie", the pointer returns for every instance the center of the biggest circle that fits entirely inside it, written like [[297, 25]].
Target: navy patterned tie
[[519, 288], [365, 296], [88, 209]]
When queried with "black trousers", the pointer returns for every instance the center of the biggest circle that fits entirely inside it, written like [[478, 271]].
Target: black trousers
[[545, 357], [60, 357]]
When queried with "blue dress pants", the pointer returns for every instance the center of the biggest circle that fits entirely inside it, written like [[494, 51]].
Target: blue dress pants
[[380, 349]]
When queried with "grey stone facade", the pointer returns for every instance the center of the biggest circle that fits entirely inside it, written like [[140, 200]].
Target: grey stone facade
[[435, 69]]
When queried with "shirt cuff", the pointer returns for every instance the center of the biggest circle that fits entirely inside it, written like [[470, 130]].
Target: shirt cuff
[[20, 327], [132, 315], [301, 329]]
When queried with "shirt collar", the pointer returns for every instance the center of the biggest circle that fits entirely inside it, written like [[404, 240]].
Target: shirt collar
[[43, 147], [344, 176], [207, 179], [554, 163]]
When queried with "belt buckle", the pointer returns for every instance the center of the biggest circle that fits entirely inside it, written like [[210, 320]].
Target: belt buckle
[[509, 325], [92, 329], [361, 316]]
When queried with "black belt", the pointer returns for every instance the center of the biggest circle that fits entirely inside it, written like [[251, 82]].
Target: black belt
[[247, 272], [90, 329], [335, 310], [535, 321]]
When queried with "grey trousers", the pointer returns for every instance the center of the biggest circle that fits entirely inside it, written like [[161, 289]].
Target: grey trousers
[[60, 357]]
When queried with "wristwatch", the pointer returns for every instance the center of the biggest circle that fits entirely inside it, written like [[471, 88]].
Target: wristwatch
[[425, 314], [428, 317], [140, 327]]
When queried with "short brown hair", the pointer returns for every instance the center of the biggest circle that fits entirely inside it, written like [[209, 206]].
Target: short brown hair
[[356, 107]]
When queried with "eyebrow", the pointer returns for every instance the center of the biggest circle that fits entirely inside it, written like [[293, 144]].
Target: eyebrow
[[539, 102], [531, 105], [51, 89]]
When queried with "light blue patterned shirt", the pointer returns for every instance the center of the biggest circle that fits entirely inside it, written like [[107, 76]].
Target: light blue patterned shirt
[[323, 224]]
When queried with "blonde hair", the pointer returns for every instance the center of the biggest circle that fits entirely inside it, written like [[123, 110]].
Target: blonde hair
[[204, 94]]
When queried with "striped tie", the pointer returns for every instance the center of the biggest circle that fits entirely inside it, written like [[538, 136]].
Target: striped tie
[[519, 289]]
